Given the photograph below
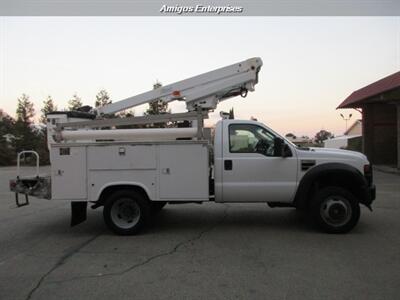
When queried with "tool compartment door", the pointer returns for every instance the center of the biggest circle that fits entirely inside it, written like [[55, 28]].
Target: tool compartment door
[[68, 173], [183, 172]]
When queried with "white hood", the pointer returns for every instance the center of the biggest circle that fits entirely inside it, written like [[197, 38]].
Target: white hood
[[329, 155]]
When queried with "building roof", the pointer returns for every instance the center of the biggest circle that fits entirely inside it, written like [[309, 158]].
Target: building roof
[[356, 123], [343, 137], [384, 85]]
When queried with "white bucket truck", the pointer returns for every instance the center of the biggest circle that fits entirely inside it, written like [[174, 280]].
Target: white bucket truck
[[132, 173]]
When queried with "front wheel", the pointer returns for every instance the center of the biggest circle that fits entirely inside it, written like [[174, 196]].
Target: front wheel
[[335, 210], [126, 212]]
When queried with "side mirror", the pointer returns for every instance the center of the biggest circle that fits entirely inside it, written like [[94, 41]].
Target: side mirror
[[281, 149], [286, 151]]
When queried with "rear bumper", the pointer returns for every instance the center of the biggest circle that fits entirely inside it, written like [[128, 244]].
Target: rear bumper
[[38, 186]]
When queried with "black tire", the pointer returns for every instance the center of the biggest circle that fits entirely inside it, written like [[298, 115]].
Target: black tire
[[335, 210], [156, 206], [126, 212]]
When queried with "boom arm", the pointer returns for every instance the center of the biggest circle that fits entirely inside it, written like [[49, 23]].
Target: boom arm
[[203, 91]]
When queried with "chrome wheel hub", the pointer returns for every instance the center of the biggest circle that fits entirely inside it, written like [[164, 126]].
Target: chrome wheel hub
[[125, 213], [336, 211]]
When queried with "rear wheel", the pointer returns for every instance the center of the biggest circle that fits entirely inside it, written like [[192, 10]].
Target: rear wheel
[[126, 212], [335, 210]]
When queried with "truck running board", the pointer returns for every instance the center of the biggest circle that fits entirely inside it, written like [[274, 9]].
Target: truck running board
[[279, 204]]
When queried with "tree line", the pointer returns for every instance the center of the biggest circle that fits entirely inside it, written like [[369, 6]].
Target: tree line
[[318, 139], [22, 133]]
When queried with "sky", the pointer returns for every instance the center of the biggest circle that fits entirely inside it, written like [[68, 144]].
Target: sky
[[311, 64]]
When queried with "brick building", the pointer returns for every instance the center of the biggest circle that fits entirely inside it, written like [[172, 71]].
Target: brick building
[[380, 106]]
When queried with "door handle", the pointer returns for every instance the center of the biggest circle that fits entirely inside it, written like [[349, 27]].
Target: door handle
[[228, 164]]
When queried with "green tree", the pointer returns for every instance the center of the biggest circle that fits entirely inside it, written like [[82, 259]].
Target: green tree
[[25, 110], [25, 133], [48, 107], [157, 106], [323, 135], [41, 146], [126, 113], [102, 99], [75, 102], [41, 135], [7, 151], [290, 135], [6, 123], [231, 114]]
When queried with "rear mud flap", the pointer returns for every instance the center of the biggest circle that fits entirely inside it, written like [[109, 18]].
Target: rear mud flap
[[78, 212]]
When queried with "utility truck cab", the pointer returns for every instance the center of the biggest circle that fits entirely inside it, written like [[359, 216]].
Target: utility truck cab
[[133, 173], [255, 164]]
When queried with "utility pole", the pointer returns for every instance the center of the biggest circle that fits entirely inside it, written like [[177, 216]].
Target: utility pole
[[346, 119]]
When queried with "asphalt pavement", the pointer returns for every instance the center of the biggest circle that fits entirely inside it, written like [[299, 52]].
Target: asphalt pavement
[[191, 251]]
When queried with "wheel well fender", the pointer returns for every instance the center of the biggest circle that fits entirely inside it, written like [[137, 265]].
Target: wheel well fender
[[108, 189], [334, 174]]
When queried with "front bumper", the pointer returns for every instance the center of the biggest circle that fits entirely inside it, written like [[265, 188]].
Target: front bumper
[[369, 195]]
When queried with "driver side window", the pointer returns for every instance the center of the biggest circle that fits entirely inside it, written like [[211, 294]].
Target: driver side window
[[249, 138]]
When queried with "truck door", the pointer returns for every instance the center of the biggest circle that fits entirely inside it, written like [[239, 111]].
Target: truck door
[[68, 177], [183, 172], [250, 171]]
